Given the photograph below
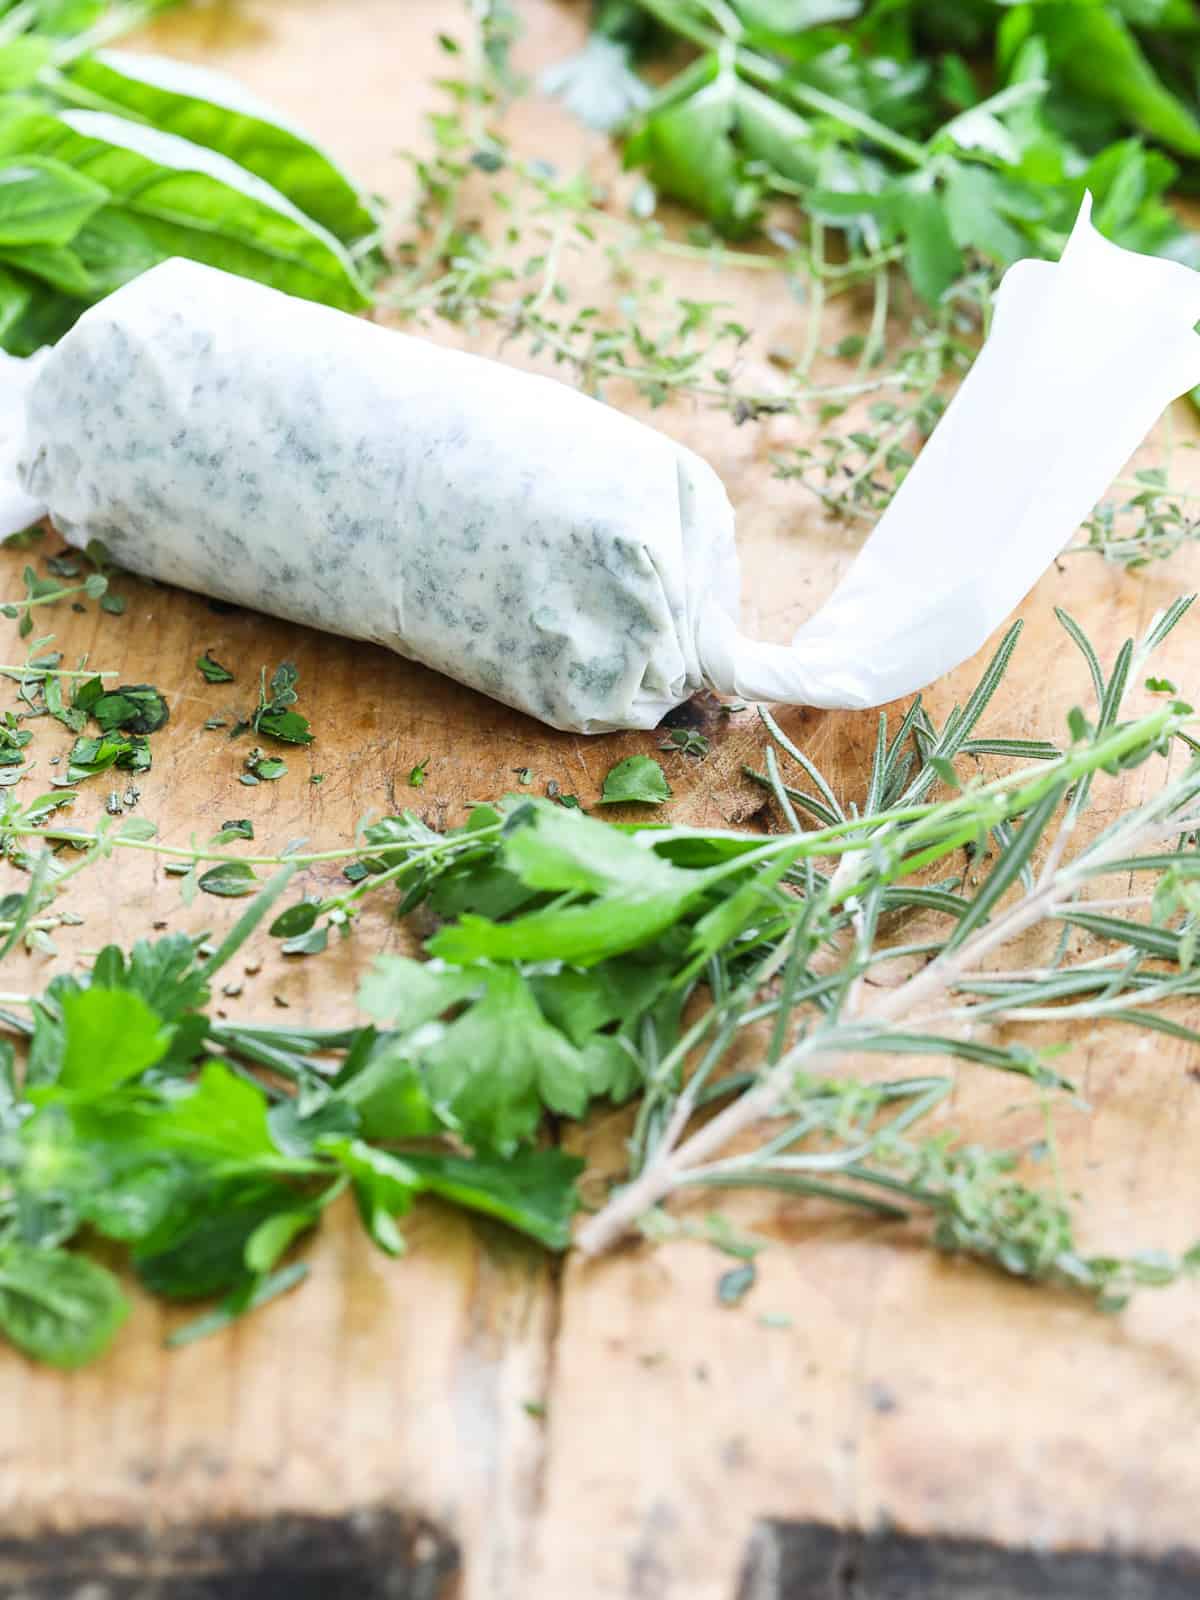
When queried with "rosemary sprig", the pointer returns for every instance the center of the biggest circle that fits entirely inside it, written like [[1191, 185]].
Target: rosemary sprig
[[821, 1013]]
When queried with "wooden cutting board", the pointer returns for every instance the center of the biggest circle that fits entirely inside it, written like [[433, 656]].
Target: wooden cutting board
[[476, 1420]]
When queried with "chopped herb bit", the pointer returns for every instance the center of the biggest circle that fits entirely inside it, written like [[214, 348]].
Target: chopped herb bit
[[231, 879], [132, 708], [688, 742], [273, 714], [238, 828], [524, 775], [217, 722], [211, 670], [416, 778], [317, 777], [262, 767], [638, 780], [307, 944], [88, 756], [295, 920]]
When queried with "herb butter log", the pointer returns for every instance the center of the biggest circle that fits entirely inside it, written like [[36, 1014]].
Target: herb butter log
[[538, 545]]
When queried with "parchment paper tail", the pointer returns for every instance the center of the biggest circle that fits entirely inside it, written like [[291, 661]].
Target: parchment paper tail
[[1082, 359]]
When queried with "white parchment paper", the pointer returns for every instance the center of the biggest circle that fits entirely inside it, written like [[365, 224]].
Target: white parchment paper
[[538, 545]]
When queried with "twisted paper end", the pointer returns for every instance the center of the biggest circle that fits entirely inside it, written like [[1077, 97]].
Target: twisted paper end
[[17, 509], [1082, 358]]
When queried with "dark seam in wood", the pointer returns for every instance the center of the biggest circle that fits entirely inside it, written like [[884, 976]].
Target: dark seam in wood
[[816, 1561], [377, 1554]]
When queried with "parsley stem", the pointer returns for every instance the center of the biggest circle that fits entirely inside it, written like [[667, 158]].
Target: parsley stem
[[766, 72]]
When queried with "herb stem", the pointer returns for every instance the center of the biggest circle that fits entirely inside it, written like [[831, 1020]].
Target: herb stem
[[9, 608], [186, 853], [31, 671], [765, 72]]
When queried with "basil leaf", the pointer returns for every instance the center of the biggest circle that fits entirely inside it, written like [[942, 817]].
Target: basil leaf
[[1096, 54], [186, 200], [43, 201], [215, 111], [15, 298]]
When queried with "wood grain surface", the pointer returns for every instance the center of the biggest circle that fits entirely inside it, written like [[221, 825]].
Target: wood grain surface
[[381, 1433]]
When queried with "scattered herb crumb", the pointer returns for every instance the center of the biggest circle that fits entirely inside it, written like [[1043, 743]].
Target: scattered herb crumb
[[569, 802], [416, 778], [317, 777], [535, 1409], [524, 775], [273, 714], [734, 1285]]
